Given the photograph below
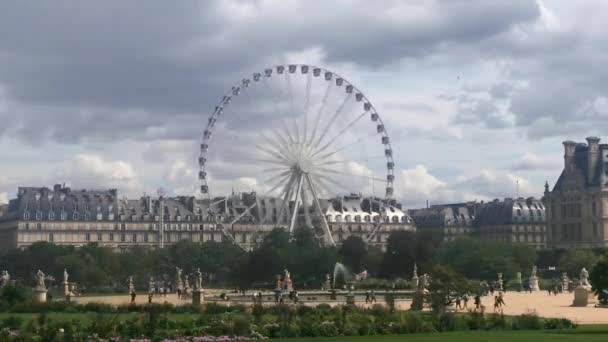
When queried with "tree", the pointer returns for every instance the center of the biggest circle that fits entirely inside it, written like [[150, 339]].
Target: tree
[[353, 253], [445, 286], [575, 259], [405, 248], [484, 259], [599, 279]]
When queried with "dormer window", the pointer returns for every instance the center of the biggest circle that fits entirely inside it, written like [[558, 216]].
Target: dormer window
[[75, 216], [38, 215], [64, 216], [87, 216], [26, 215], [51, 215], [100, 216]]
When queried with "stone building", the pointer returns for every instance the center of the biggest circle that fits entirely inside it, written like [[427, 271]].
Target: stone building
[[447, 220], [577, 206], [512, 220], [358, 215], [69, 217]]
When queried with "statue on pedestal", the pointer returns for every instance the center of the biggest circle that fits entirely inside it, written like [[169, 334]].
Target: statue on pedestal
[[178, 279], [327, 284], [40, 289], [584, 278], [534, 279], [66, 283], [287, 281], [40, 281], [5, 278], [500, 282], [415, 279], [198, 279], [565, 281], [131, 285]]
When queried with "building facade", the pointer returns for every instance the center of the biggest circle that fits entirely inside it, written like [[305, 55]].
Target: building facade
[[67, 217], [513, 220], [450, 221], [577, 206]]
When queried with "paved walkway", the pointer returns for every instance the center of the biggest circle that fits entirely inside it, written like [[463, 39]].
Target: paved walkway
[[516, 303]]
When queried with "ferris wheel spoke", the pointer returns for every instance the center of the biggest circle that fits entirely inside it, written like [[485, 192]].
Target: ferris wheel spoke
[[333, 119], [320, 113], [352, 174], [273, 153], [342, 131], [293, 108], [306, 105], [317, 204], [342, 148], [333, 162]]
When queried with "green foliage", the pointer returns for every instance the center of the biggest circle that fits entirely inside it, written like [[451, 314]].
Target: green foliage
[[478, 259], [406, 248], [599, 279], [353, 252], [12, 294], [572, 261], [446, 285]]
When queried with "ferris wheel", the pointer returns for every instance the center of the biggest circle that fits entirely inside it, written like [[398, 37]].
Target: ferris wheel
[[300, 134]]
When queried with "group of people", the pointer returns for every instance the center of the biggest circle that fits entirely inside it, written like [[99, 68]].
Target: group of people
[[370, 297], [279, 297]]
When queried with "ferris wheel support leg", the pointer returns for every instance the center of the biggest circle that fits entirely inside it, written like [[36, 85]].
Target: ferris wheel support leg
[[321, 214], [296, 205]]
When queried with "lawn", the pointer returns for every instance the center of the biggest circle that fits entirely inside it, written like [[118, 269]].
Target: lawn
[[587, 333]]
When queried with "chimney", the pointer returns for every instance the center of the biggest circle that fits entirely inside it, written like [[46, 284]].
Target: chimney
[[569, 153], [593, 156]]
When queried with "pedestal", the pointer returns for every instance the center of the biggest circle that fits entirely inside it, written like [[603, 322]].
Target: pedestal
[[40, 295], [198, 297], [66, 289], [583, 296], [350, 299], [534, 284]]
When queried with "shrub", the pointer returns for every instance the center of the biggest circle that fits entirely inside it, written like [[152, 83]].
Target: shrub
[[527, 322], [558, 323], [12, 322]]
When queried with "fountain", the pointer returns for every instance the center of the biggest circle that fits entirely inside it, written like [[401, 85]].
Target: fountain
[[347, 277]]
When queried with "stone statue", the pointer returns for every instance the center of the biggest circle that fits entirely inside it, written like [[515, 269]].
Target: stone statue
[[65, 275], [565, 281], [415, 279], [287, 281], [499, 282], [534, 270], [198, 280], [4, 278], [131, 286], [534, 286], [178, 278], [40, 281], [424, 281], [584, 278]]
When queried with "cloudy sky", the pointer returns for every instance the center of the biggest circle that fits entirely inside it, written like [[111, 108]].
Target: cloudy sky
[[476, 95]]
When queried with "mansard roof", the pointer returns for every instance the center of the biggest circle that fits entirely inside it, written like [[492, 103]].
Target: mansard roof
[[510, 211]]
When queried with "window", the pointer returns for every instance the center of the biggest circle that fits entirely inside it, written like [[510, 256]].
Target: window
[[88, 236], [146, 237], [123, 238], [134, 238], [86, 216], [99, 237], [595, 230], [593, 208], [64, 216], [212, 237], [51, 216], [123, 226], [38, 215], [111, 236], [38, 226], [75, 216], [26, 215], [51, 237], [27, 226]]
